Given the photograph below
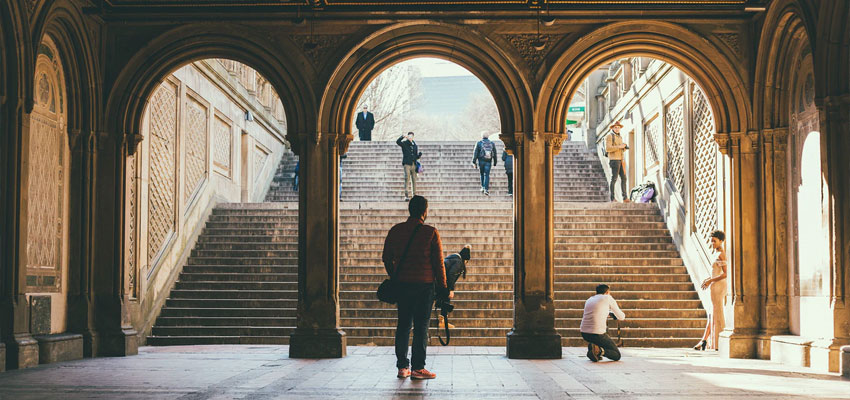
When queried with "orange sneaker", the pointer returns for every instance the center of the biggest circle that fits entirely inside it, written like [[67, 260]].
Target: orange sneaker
[[422, 374], [403, 372]]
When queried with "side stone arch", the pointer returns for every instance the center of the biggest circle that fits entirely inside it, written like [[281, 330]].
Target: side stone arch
[[400, 42], [715, 71], [277, 61]]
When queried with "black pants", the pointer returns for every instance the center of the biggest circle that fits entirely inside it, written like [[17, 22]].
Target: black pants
[[365, 136], [604, 341], [617, 170], [415, 309], [510, 182]]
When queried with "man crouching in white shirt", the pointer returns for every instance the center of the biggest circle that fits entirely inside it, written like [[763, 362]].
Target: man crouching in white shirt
[[594, 327]]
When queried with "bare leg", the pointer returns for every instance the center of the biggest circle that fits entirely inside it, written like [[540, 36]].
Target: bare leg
[[707, 329]]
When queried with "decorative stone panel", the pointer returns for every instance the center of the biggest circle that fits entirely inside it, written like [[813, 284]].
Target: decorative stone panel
[[222, 145], [195, 147], [162, 193], [131, 253], [704, 166], [652, 143], [46, 221], [261, 155], [675, 139]]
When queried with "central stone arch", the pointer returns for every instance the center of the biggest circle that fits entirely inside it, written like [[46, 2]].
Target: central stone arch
[[400, 42]]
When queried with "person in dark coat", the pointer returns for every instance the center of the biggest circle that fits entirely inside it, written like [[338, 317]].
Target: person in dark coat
[[484, 158], [409, 154], [365, 121], [455, 268], [508, 160]]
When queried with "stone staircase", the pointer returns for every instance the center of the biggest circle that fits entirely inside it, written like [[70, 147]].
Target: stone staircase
[[281, 189], [240, 283], [239, 286]]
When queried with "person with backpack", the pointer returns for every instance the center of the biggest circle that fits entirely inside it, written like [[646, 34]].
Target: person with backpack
[[415, 251], [484, 158], [508, 160], [455, 268]]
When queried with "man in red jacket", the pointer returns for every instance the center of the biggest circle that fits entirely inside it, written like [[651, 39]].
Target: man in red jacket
[[421, 269]]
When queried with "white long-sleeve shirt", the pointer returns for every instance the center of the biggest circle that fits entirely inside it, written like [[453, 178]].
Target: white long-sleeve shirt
[[596, 311]]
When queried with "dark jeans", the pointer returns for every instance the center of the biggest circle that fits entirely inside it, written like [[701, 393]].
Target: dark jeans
[[414, 308], [604, 341], [510, 182], [365, 136], [484, 169], [617, 170]]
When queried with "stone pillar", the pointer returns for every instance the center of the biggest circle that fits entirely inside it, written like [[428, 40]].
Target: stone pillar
[[317, 333], [774, 248], [835, 128], [112, 334], [21, 347], [738, 340], [533, 335]]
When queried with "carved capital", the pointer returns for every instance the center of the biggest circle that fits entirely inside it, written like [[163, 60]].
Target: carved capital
[[132, 141], [723, 142], [344, 141], [554, 141], [750, 142], [510, 142], [777, 137]]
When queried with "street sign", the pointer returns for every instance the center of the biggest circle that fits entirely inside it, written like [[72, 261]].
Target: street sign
[[576, 109]]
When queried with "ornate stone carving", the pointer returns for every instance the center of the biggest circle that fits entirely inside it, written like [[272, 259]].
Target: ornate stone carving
[[317, 47], [222, 145], [46, 221], [261, 155], [733, 40], [195, 147], [525, 46], [162, 169], [675, 157], [704, 167], [131, 244], [652, 142]]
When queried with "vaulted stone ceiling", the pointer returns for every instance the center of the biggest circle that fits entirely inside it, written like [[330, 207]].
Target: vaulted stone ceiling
[[472, 5]]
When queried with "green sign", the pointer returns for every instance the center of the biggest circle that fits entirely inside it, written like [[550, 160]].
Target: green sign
[[575, 109], [571, 122]]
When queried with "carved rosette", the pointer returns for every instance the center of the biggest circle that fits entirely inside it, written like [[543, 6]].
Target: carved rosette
[[732, 40], [524, 44]]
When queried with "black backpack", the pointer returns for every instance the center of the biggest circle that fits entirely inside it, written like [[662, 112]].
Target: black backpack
[[487, 150]]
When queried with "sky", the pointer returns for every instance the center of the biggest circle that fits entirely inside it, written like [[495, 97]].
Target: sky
[[435, 67]]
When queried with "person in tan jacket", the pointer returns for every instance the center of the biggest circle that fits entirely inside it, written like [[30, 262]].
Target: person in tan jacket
[[616, 148]]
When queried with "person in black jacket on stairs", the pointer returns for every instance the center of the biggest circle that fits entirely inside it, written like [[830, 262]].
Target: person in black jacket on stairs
[[409, 154], [455, 268]]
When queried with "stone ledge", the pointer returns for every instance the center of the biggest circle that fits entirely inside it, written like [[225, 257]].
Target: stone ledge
[[59, 347], [845, 361], [791, 350]]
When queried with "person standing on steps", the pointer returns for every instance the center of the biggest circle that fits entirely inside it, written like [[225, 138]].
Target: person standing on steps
[[364, 122], [484, 158], [409, 154], [416, 249], [594, 324], [616, 148], [717, 284], [508, 160]]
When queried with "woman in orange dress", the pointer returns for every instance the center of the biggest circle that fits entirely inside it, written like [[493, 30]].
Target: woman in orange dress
[[717, 284]]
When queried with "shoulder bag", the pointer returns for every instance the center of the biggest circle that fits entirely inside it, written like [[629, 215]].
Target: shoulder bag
[[388, 291]]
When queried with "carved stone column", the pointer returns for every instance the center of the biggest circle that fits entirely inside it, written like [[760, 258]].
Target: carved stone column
[[113, 335], [739, 338], [317, 333], [533, 335], [774, 250], [835, 125], [21, 347]]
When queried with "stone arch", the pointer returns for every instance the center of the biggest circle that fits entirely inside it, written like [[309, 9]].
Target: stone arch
[[180, 46], [786, 36], [64, 23], [396, 43], [832, 60], [713, 69]]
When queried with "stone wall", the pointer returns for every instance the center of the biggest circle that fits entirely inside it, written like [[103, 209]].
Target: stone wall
[[669, 127], [200, 148]]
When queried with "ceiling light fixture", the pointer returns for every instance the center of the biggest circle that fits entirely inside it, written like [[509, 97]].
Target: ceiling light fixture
[[538, 44]]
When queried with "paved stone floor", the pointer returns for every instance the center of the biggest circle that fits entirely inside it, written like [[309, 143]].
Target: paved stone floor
[[266, 372]]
